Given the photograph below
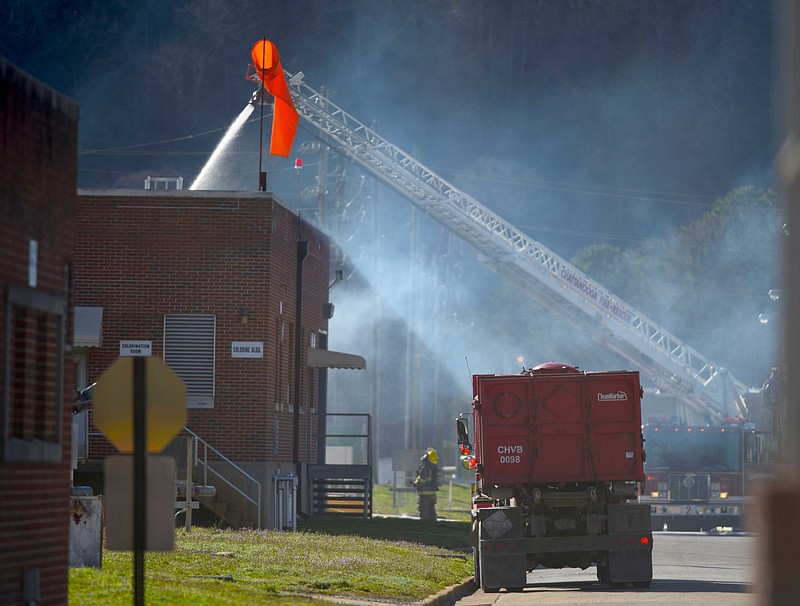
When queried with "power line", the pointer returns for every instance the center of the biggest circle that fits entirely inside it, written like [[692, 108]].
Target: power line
[[110, 150]]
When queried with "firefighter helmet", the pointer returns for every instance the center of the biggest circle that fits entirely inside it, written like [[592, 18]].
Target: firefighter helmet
[[433, 456]]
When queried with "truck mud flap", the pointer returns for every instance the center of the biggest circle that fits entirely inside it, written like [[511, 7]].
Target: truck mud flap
[[630, 563], [503, 564], [630, 566]]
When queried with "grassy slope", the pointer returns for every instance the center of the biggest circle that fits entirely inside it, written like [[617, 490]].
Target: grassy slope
[[401, 560]]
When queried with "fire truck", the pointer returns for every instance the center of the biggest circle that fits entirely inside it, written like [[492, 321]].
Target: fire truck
[[701, 477], [558, 461]]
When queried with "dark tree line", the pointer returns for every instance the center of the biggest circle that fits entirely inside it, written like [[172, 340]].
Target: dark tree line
[[709, 284], [628, 93]]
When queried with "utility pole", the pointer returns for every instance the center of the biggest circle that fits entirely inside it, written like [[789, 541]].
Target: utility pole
[[377, 312], [412, 423]]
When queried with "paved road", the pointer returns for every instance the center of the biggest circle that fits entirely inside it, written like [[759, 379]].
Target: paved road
[[688, 569]]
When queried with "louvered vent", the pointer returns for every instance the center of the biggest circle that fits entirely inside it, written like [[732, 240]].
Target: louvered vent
[[189, 351]]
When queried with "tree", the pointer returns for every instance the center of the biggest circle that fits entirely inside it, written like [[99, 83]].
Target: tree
[[709, 283]]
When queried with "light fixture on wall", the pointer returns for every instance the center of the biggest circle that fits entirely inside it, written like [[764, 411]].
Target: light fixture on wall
[[244, 315]]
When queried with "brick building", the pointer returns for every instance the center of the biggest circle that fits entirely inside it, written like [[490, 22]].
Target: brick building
[[38, 173], [209, 282]]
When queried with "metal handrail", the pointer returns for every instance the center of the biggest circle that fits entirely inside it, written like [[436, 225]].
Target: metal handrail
[[206, 468]]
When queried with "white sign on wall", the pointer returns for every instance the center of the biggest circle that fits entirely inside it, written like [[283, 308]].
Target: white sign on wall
[[135, 348], [247, 349]]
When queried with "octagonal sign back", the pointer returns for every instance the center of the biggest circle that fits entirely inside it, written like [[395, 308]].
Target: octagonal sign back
[[165, 394]]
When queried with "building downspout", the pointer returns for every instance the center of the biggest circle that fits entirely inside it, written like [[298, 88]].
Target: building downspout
[[302, 251]]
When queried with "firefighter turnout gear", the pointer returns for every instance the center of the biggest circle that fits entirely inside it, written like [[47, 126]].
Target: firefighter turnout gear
[[427, 483]]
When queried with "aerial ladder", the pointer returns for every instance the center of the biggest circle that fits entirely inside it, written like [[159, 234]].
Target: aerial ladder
[[673, 367]]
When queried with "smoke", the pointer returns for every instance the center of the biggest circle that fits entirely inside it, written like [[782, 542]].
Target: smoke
[[425, 314], [580, 122], [434, 304]]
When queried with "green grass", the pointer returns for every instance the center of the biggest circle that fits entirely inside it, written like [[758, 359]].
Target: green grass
[[386, 501], [453, 535], [400, 560]]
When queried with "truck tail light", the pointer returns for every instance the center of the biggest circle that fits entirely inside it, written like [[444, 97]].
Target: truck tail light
[[500, 547], [482, 502]]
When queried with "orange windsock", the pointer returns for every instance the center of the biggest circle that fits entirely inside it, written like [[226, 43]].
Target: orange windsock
[[284, 119]]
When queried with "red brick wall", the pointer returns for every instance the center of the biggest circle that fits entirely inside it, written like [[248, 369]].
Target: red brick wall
[[38, 169], [141, 255]]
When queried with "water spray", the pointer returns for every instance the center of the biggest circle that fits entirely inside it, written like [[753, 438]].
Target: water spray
[[212, 171]]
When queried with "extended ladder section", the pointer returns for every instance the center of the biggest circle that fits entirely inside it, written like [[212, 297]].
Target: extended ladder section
[[675, 368]]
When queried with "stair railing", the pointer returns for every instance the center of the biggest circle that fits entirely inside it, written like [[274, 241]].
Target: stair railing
[[208, 468]]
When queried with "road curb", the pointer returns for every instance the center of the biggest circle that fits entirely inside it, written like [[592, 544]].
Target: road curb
[[450, 595]]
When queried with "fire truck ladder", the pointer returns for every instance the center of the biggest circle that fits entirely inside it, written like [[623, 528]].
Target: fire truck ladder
[[675, 368]]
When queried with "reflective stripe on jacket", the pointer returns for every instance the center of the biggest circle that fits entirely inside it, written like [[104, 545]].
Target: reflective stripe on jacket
[[427, 480]]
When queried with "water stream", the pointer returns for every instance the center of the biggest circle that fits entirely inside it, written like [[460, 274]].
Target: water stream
[[214, 169]]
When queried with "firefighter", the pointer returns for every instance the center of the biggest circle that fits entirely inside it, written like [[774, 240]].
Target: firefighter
[[427, 483]]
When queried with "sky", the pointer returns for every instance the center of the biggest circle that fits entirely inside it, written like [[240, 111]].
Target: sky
[[579, 121]]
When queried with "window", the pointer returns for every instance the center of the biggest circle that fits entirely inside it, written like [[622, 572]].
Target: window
[[33, 377], [189, 350], [88, 328]]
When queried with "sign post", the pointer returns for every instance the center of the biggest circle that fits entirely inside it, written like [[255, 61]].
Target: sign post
[[139, 478], [139, 405]]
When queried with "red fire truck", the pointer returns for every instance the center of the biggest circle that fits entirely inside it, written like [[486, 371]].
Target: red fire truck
[[701, 477]]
